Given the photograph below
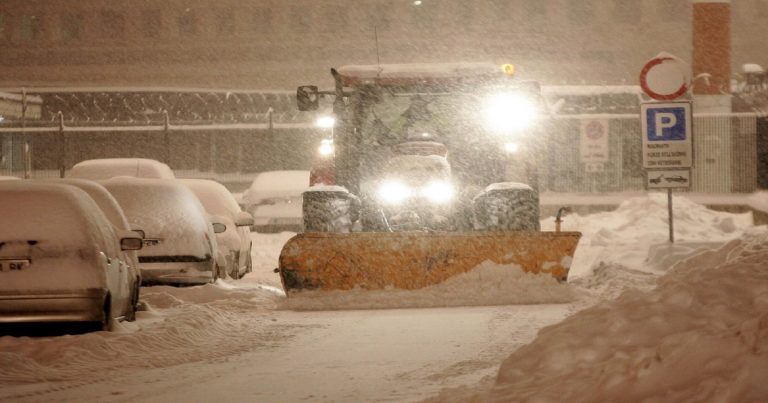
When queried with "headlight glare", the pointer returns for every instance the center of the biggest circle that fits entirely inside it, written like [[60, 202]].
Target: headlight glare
[[394, 192], [508, 112], [438, 192]]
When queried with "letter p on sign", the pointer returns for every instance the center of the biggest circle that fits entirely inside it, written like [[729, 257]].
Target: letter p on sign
[[665, 124], [664, 120]]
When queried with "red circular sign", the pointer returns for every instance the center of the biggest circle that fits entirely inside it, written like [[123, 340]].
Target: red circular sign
[[657, 61], [594, 130]]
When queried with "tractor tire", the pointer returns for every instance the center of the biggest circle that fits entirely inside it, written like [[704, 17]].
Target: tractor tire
[[506, 207], [329, 211]]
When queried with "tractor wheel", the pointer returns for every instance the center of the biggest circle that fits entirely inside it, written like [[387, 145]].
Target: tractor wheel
[[507, 207], [328, 211]]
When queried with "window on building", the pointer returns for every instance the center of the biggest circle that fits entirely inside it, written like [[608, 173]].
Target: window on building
[[626, 12], [151, 23], [187, 22], [31, 27], [262, 20], [71, 28], [580, 12], [113, 23], [225, 22]]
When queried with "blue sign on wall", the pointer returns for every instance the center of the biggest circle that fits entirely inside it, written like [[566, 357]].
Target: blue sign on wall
[[666, 124]]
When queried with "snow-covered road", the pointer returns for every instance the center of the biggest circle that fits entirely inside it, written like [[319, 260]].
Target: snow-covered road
[[235, 341]]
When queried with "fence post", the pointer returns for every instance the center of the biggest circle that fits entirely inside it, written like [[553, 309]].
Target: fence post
[[62, 144], [166, 136], [25, 137]]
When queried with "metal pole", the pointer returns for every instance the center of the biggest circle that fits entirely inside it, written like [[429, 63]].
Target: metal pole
[[166, 136], [25, 138], [63, 145], [671, 219]]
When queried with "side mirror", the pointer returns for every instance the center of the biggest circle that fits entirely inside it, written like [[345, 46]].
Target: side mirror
[[140, 232], [243, 219], [307, 98], [218, 228], [131, 243]]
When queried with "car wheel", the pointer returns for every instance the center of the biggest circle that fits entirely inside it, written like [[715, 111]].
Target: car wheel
[[513, 208], [248, 263], [328, 211], [107, 323], [130, 316]]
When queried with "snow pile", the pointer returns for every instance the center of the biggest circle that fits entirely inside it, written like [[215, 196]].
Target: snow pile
[[487, 284], [177, 326], [619, 237], [701, 335]]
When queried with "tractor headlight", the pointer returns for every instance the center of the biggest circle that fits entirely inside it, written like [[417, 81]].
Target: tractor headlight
[[394, 192], [509, 112], [438, 192]]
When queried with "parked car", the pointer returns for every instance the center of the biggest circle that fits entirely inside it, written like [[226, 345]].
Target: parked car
[[60, 258], [9, 178], [179, 241], [274, 200], [234, 244], [99, 169], [116, 217]]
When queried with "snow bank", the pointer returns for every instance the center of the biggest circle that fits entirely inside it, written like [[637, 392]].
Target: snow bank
[[177, 326], [487, 284], [701, 335], [622, 237]]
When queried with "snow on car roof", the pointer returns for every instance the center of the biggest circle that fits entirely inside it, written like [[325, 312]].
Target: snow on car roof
[[106, 168], [62, 214], [164, 209], [216, 199], [280, 184], [101, 196]]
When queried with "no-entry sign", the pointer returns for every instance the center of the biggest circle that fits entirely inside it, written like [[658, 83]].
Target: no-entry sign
[[664, 78]]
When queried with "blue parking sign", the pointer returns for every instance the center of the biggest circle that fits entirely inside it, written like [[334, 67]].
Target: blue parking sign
[[666, 124]]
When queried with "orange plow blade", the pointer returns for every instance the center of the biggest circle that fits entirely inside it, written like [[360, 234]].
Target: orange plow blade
[[412, 260]]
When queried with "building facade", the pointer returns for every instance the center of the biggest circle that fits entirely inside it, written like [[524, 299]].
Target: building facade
[[278, 44]]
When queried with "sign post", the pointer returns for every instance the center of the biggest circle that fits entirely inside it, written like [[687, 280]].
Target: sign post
[[666, 127]]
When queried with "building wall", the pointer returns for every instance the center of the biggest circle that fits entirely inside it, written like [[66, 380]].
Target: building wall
[[278, 44]]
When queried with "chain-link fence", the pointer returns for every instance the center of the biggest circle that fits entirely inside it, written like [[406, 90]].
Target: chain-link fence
[[730, 151]]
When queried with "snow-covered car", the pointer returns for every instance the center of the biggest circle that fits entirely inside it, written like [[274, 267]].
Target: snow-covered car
[[8, 178], [274, 200], [60, 258], [116, 217], [179, 241], [106, 168], [234, 244]]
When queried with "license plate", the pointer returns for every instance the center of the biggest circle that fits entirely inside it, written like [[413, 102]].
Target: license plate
[[13, 264]]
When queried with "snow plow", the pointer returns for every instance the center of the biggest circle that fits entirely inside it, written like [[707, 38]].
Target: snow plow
[[433, 173]]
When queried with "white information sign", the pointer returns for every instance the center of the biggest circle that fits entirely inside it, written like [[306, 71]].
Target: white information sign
[[593, 141], [667, 135], [669, 179]]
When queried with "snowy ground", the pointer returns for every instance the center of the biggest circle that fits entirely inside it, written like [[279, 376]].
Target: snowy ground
[[241, 340]]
